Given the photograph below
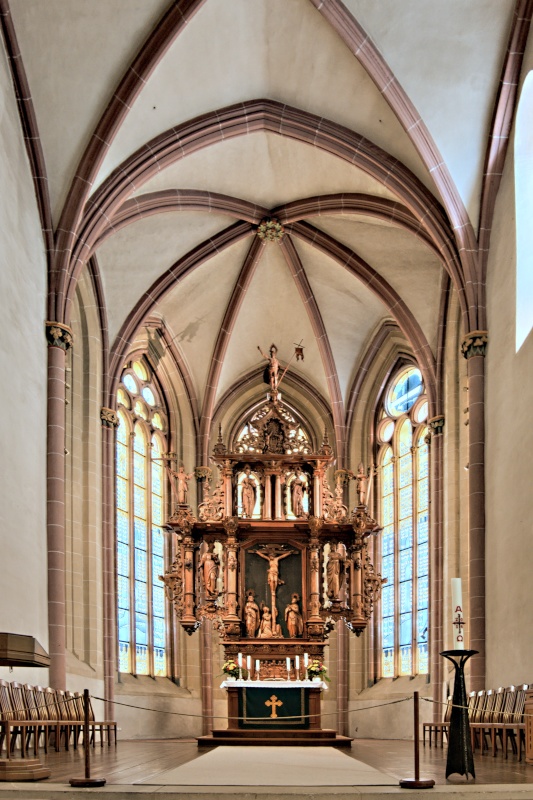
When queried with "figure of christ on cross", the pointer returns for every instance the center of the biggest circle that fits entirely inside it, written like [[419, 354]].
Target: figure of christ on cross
[[274, 703]]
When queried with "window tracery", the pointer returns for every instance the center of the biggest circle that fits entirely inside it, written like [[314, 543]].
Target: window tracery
[[403, 462], [140, 497]]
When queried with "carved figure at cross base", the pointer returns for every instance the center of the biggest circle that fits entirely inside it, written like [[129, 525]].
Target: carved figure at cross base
[[268, 628], [293, 618], [252, 618]]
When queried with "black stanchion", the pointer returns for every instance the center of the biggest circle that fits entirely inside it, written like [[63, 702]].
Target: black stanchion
[[460, 758], [416, 783], [87, 781]]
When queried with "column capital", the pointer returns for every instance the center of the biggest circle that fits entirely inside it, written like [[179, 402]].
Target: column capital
[[108, 417], [58, 335], [475, 344], [436, 424]]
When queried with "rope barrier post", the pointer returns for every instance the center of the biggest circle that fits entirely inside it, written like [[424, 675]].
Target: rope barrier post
[[416, 783], [87, 781]]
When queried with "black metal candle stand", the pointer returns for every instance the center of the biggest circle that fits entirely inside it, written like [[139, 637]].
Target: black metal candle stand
[[460, 758]]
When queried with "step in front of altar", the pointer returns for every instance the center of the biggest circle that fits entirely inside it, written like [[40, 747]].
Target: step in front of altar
[[323, 737]]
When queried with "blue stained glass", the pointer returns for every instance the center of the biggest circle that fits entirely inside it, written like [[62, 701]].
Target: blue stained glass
[[123, 559], [388, 663], [122, 430], [406, 629], [139, 443], [422, 626], [141, 628], [159, 632], [387, 541], [423, 462], [387, 601], [139, 502], [156, 510], [423, 494], [388, 632], [388, 479], [406, 533], [406, 502], [123, 625], [130, 383], [423, 592], [406, 470], [124, 657], [423, 527], [123, 592], [158, 567], [139, 526], [141, 660], [406, 661], [158, 599], [387, 568], [388, 510], [160, 661], [139, 469], [140, 565], [423, 559], [123, 527], [141, 597], [406, 438], [122, 494], [406, 565], [122, 460], [158, 542], [406, 597], [148, 395], [423, 660], [404, 392]]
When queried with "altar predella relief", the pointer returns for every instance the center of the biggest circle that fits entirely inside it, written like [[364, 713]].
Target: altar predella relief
[[272, 557]]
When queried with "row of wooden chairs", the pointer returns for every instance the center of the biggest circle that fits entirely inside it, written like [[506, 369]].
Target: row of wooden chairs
[[495, 714], [38, 713]]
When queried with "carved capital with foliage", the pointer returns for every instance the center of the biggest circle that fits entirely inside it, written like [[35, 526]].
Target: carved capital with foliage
[[436, 425], [475, 344], [108, 417], [58, 335]]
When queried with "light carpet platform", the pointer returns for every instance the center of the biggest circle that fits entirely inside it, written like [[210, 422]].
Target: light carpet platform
[[267, 766]]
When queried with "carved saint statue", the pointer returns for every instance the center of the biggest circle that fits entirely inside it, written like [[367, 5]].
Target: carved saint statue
[[335, 572], [182, 484], [209, 565], [297, 496], [293, 618], [268, 628], [249, 488], [273, 369], [362, 483], [251, 615], [273, 567]]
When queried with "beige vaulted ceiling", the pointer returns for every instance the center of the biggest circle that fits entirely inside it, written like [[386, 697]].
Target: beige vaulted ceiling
[[287, 58]]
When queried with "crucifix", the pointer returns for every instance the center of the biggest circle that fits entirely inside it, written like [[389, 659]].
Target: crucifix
[[273, 703]]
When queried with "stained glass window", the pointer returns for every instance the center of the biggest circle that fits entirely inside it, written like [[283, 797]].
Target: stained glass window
[[140, 487], [403, 507]]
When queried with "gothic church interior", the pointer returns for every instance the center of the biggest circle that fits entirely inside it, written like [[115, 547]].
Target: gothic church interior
[[184, 182]]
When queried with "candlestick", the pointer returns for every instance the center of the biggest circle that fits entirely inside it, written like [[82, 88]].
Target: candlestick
[[306, 659], [257, 668], [288, 668], [239, 659], [457, 615], [298, 664], [248, 663]]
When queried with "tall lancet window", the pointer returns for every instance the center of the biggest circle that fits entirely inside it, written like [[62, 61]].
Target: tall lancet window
[[140, 497], [403, 510]]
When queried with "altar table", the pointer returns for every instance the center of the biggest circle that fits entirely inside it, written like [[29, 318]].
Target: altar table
[[274, 705]]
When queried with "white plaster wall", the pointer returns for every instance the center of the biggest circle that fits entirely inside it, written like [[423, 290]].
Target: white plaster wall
[[148, 708], [23, 606], [509, 456]]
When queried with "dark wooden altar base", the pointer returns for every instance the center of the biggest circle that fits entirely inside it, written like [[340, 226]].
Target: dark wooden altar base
[[323, 737]]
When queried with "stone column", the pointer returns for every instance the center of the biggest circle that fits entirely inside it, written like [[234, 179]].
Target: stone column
[[59, 338], [474, 348], [206, 657], [436, 567], [315, 623], [342, 678], [109, 420]]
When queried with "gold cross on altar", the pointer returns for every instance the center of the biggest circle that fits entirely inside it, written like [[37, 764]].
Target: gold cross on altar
[[274, 703]]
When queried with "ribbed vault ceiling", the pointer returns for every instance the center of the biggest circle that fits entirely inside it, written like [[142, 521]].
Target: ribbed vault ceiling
[[169, 206]]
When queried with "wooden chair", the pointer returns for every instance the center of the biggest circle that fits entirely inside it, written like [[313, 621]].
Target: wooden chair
[[12, 723], [477, 715], [52, 712], [516, 727], [438, 727], [105, 726], [43, 724], [491, 715], [18, 702]]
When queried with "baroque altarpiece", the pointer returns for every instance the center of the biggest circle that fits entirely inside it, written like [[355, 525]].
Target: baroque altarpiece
[[273, 557]]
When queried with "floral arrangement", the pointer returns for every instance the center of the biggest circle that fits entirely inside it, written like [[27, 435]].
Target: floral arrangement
[[230, 668], [316, 669]]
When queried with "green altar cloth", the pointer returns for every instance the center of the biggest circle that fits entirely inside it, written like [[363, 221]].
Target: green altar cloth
[[264, 707]]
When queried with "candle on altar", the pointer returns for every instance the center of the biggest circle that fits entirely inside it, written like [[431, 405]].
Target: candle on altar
[[248, 663], [239, 659], [297, 663], [288, 664], [257, 665], [306, 659], [457, 615]]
